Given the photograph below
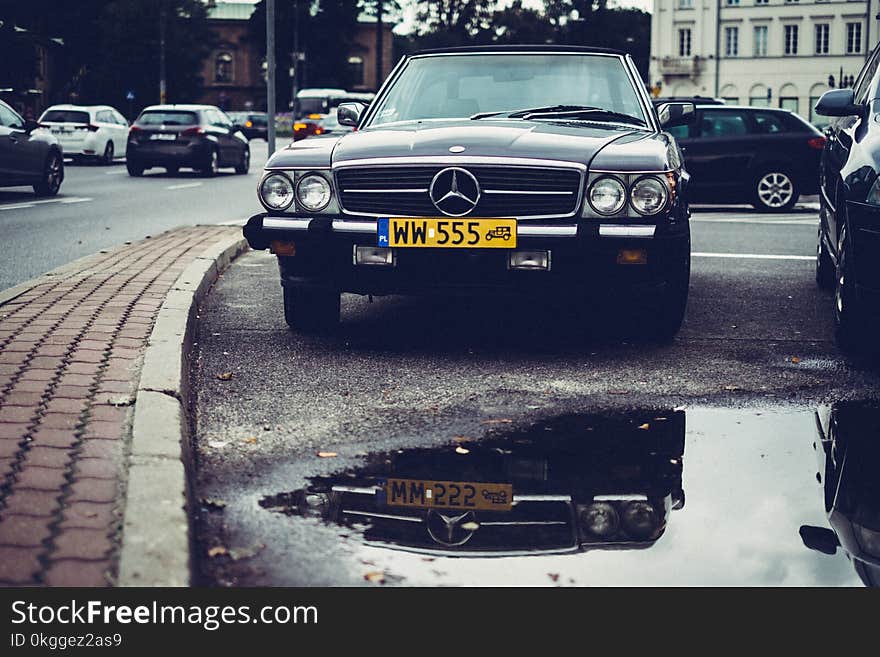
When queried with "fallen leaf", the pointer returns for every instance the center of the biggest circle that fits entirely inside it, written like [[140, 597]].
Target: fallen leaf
[[124, 400], [217, 551], [461, 439], [645, 426], [214, 504], [217, 444], [225, 376], [250, 441], [375, 577], [795, 360], [553, 576], [498, 421], [731, 387], [327, 455], [462, 450]]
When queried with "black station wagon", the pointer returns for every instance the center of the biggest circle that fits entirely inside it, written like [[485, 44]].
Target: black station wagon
[[487, 169]]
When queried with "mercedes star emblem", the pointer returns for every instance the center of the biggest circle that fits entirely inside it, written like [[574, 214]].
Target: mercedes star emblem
[[454, 191], [456, 149], [448, 529]]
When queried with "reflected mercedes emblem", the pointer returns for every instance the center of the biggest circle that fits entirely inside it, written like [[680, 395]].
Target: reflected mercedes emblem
[[454, 191], [450, 529], [456, 149]]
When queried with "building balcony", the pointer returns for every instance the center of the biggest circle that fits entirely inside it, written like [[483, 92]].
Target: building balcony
[[681, 66]]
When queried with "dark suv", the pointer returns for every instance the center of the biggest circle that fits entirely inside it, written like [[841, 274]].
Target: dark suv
[[201, 137], [556, 147], [759, 155], [848, 251]]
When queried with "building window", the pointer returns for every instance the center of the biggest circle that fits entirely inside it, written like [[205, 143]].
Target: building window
[[731, 41], [791, 39], [853, 38], [759, 101], [685, 4], [789, 103], [760, 49], [356, 70], [788, 2], [684, 42], [822, 30], [762, 2], [223, 71], [731, 3]]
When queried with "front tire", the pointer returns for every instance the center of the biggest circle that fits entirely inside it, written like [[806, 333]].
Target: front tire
[[311, 310], [852, 323], [134, 169], [107, 158], [53, 175], [774, 190], [825, 270], [245, 164], [212, 167], [668, 307]]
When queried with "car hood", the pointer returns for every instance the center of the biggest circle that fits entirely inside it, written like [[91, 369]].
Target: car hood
[[556, 140]]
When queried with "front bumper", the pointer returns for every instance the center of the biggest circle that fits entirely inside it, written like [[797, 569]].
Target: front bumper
[[193, 154], [583, 257]]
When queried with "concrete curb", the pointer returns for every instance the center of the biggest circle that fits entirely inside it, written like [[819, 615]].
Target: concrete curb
[[156, 538]]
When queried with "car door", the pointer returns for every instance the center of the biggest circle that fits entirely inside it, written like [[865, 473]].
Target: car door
[[717, 152], [120, 131], [21, 156], [106, 129], [841, 134]]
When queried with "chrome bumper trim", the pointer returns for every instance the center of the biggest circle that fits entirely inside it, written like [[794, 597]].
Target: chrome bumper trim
[[369, 227], [615, 230]]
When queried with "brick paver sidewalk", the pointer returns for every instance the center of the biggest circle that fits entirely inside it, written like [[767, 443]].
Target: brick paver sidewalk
[[70, 354]]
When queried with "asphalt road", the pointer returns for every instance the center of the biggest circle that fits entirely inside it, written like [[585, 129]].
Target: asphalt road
[[753, 362], [102, 206]]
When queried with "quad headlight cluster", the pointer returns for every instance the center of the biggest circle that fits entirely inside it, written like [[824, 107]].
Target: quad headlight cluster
[[612, 521], [646, 194], [309, 191]]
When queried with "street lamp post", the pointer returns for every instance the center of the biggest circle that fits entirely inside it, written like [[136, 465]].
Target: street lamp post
[[162, 88], [270, 74]]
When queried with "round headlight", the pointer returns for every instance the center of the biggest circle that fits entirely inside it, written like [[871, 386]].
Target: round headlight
[[648, 195], [600, 519], [607, 195], [313, 192], [276, 191], [639, 520], [315, 504]]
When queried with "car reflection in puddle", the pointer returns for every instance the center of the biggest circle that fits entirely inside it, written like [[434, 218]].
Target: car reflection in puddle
[[848, 451], [569, 484]]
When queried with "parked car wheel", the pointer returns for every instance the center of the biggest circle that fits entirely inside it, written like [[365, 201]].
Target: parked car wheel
[[825, 271], [108, 153], [245, 164], [851, 317], [134, 169], [670, 304], [212, 166], [775, 190], [53, 175], [311, 310]]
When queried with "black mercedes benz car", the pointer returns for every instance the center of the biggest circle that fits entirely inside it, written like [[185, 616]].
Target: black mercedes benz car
[[200, 137], [848, 249], [487, 169]]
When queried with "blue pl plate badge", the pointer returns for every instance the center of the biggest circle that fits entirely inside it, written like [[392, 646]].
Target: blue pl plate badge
[[383, 231]]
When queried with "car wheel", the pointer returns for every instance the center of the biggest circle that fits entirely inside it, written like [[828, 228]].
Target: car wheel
[[134, 169], [774, 190], [851, 317], [53, 175], [108, 153], [311, 310], [665, 309], [245, 164], [825, 270], [212, 168]]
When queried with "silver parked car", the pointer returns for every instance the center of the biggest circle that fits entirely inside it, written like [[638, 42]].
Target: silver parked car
[[29, 154]]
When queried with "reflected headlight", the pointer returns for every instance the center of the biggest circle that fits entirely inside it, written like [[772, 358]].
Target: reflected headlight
[[313, 192], [607, 195], [276, 191], [600, 519], [639, 520], [315, 505], [648, 195]]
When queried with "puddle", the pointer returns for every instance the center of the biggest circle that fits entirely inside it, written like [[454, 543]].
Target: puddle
[[650, 497]]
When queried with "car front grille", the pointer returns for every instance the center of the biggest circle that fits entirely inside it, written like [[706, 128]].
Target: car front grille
[[506, 191]]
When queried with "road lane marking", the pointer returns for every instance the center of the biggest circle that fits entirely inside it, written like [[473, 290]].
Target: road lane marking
[[115, 173], [32, 204], [185, 185], [752, 256], [747, 220], [234, 222]]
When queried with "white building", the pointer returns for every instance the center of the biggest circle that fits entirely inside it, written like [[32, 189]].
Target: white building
[[781, 53]]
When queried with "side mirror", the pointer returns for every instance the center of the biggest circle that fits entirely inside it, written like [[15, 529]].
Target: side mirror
[[674, 114], [30, 125], [819, 538], [350, 113], [838, 102]]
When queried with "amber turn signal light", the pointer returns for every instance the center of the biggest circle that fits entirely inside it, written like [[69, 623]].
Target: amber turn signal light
[[632, 257], [283, 248]]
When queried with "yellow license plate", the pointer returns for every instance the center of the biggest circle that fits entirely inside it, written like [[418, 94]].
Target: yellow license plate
[[429, 494], [430, 232]]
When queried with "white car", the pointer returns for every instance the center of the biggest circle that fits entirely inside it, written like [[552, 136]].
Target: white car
[[93, 131]]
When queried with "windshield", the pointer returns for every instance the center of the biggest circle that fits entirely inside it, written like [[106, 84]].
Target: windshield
[[65, 116], [460, 86], [168, 118]]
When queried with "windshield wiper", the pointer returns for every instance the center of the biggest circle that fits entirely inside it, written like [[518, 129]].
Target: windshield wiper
[[565, 111]]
